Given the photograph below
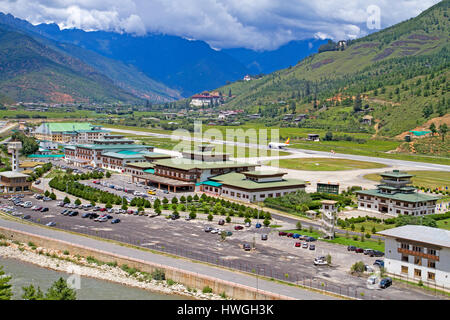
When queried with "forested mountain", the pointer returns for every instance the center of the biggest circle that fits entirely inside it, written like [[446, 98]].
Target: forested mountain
[[400, 75], [30, 71]]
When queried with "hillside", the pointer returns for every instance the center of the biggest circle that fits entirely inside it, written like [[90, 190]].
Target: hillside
[[33, 72], [401, 74], [125, 76]]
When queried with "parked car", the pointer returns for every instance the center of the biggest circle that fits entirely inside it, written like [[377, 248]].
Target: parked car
[[26, 217], [379, 263], [296, 236], [305, 245], [44, 210], [368, 268], [215, 230], [310, 239], [86, 215], [376, 253], [73, 214], [386, 282], [208, 229], [93, 216], [114, 221], [320, 261], [247, 247], [312, 247], [290, 235], [298, 244], [238, 227], [229, 233], [248, 224], [51, 224], [368, 251], [282, 233], [372, 280], [351, 248], [359, 250], [258, 225], [264, 237], [221, 222], [64, 211]]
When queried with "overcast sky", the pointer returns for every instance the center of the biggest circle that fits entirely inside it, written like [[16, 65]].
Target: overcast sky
[[254, 24]]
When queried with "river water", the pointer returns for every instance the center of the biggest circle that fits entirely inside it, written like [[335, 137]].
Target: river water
[[23, 274]]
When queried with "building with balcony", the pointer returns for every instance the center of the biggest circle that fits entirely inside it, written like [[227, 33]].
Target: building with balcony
[[328, 221], [418, 253], [395, 196]]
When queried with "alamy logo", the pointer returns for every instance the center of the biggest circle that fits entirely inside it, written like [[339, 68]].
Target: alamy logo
[[374, 18], [74, 280]]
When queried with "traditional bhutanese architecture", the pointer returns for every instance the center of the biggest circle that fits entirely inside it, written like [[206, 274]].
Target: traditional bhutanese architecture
[[205, 99], [69, 133], [206, 153], [110, 153], [14, 182], [395, 196], [418, 253], [252, 186]]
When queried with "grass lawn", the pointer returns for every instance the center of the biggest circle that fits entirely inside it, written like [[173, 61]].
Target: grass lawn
[[367, 244], [444, 224], [427, 179], [326, 164]]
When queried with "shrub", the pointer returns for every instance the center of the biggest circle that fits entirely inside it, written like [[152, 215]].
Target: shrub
[[158, 274], [210, 217], [207, 289]]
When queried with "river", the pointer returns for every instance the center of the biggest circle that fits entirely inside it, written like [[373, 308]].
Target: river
[[24, 274]]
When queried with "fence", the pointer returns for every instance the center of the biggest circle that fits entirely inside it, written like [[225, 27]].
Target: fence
[[437, 290]]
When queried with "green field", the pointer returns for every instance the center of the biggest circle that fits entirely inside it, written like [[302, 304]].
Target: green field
[[325, 164], [427, 179], [444, 224]]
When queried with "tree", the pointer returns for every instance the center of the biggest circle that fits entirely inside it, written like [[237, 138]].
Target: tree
[[30, 293], [358, 267], [189, 198], [60, 291], [46, 193], [266, 222], [77, 202], [66, 200], [433, 129], [210, 217], [5, 286], [328, 136], [299, 225], [192, 215], [196, 198], [108, 174], [443, 129], [358, 103], [52, 196]]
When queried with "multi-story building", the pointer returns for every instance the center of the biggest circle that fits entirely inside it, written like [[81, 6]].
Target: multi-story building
[[70, 132], [252, 186], [418, 253], [394, 196], [111, 154], [205, 99]]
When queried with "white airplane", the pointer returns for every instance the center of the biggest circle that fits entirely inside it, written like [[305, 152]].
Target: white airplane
[[279, 145]]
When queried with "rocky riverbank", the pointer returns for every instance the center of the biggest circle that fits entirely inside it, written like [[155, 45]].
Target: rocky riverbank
[[89, 267]]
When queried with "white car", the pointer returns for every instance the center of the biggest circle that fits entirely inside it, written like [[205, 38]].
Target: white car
[[373, 280], [320, 261], [215, 230]]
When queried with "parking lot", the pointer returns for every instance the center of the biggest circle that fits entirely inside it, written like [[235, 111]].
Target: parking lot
[[277, 257]]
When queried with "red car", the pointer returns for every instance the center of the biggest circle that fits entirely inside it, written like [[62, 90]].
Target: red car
[[102, 209], [359, 250], [282, 233], [290, 235], [238, 227], [298, 244]]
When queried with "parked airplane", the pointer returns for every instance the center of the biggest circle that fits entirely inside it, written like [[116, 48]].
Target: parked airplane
[[279, 145]]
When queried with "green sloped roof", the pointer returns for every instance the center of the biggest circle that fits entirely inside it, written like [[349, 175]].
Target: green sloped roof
[[238, 180], [407, 197], [187, 164], [69, 126]]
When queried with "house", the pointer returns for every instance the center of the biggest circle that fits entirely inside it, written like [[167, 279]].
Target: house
[[395, 196], [313, 137], [247, 78], [418, 253], [367, 119], [288, 117], [301, 117], [14, 182], [70, 132]]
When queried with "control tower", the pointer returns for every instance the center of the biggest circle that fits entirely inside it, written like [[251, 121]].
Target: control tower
[[14, 148]]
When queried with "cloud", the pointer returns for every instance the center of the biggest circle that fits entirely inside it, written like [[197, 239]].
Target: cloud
[[255, 24]]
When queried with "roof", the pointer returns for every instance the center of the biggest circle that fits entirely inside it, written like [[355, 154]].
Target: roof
[[238, 180], [156, 155], [212, 183], [408, 197], [69, 126], [119, 147], [264, 173], [13, 174], [187, 164], [30, 164], [123, 156], [46, 156], [424, 234], [141, 165], [396, 174]]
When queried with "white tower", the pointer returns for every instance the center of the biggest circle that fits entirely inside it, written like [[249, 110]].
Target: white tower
[[14, 148], [329, 212]]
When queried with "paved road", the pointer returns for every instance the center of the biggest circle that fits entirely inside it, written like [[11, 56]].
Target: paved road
[[300, 152], [239, 278]]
